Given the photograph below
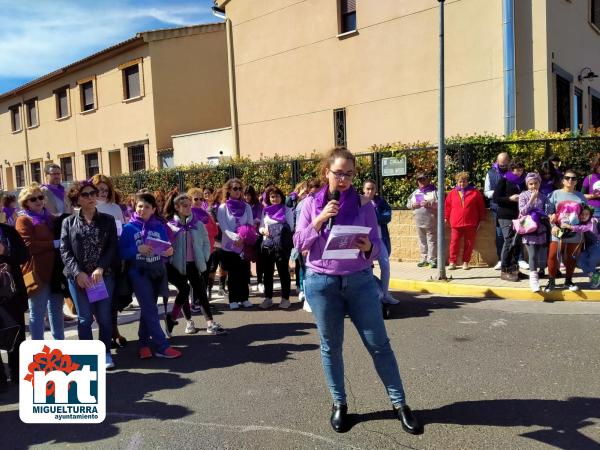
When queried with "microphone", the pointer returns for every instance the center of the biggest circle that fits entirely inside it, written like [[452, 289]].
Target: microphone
[[331, 221]]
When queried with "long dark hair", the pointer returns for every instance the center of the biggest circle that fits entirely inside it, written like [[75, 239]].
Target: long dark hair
[[252, 193]]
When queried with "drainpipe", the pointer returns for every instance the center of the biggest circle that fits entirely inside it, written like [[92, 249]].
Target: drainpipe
[[24, 125], [508, 31]]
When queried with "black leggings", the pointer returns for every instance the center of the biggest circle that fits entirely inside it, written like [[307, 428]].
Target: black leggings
[[238, 276], [13, 357], [180, 281], [268, 264]]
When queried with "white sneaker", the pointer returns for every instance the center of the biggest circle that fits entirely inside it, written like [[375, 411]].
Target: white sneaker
[[466, 266], [285, 303], [261, 288], [266, 303], [498, 265], [247, 304], [390, 300], [306, 307], [301, 297], [523, 265], [109, 362], [234, 305], [534, 282], [190, 328]]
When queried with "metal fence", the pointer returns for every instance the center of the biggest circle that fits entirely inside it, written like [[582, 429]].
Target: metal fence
[[475, 158]]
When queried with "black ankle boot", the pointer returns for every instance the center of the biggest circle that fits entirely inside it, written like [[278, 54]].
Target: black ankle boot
[[339, 418], [409, 422]]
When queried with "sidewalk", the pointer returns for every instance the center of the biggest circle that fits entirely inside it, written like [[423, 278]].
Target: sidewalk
[[482, 282]]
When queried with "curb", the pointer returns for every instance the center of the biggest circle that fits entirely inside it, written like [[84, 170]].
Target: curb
[[499, 292]]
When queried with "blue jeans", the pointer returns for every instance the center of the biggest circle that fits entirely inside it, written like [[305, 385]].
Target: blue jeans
[[384, 267], [330, 298], [86, 312], [147, 290], [38, 304], [589, 259]]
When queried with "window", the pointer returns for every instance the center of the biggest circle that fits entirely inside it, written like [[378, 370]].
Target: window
[[595, 13], [595, 112], [578, 110], [137, 158], [87, 96], [165, 159], [36, 172], [15, 117], [131, 81], [31, 112], [339, 127], [92, 164], [347, 16], [563, 103], [66, 167], [62, 103], [20, 175]]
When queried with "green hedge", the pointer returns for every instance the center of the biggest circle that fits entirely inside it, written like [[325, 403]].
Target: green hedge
[[475, 154]]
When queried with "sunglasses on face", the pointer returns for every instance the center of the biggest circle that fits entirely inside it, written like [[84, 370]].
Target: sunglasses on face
[[570, 178], [39, 198], [236, 188], [89, 194]]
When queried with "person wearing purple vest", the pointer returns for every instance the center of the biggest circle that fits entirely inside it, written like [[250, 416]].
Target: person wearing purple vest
[[591, 186], [335, 287]]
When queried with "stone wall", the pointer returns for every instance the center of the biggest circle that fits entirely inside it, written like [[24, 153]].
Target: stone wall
[[405, 243]]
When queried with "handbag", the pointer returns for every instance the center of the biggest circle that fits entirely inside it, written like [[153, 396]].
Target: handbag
[[7, 282], [525, 225], [9, 330], [32, 283]]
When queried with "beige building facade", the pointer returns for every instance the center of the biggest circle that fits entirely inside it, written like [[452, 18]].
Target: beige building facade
[[117, 110], [310, 74]]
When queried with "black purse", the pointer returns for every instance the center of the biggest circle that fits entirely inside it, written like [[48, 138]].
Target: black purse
[[7, 283]]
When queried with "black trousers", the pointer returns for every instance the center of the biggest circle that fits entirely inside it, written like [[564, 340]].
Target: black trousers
[[238, 276], [13, 357], [269, 261], [182, 283]]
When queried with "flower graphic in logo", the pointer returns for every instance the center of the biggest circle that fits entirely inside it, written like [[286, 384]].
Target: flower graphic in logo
[[49, 360]]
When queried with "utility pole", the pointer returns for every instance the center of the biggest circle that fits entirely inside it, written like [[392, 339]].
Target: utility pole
[[441, 238]]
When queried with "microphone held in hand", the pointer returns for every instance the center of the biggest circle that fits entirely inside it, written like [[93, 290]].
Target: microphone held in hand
[[335, 196]]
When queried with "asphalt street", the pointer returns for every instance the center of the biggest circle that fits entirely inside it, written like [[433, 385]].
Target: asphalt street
[[495, 374]]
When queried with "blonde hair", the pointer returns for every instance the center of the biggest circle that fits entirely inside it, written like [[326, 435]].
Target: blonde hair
[[27, 191], [195, 191], [461, 176]]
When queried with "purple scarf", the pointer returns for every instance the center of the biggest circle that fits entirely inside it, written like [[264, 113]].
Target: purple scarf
[[204, 205], [497, 168], [152, 222], [516, 180], [57, 189], [237, 208], [276, 212], [201, 215], [429, 188], [176, 223], [8, 211], [349, 204], [464, 191], [44, 217], [547, 186]]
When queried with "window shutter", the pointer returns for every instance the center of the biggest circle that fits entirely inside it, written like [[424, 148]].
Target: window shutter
[[348, 6], [62, 104], [133, 81], [88, 94]]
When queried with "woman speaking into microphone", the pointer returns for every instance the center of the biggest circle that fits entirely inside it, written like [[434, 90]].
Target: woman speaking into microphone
[[335, 287]]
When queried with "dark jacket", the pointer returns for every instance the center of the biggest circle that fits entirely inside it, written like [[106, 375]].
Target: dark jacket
[[494, 178], [15, 255], [58, 283], [70, 243], [383, 210], [507, 209]]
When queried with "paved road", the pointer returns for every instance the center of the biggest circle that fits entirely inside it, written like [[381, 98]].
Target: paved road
[[481, 374]]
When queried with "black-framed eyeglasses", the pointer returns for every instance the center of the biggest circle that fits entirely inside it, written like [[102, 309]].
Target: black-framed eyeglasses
[[88, 194], [570, 178], [236, 188], [39, 198], [340, 176], [197, 199]]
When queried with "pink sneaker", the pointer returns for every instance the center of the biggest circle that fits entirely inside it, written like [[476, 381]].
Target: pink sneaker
[[169, 353]]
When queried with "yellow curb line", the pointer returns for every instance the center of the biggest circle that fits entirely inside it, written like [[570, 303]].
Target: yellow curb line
[[471, 290]]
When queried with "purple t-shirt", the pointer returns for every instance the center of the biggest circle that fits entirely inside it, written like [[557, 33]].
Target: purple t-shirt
[[591, 185], [307, 238]]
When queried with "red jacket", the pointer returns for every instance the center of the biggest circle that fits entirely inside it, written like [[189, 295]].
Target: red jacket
[[467, 213]]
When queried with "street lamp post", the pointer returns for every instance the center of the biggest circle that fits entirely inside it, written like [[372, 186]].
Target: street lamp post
[[441, 238]]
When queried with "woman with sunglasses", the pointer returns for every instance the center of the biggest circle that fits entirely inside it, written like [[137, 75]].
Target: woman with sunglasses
[[231, 214], [564, 248], [89, 251], [35, 226], [336, 287]]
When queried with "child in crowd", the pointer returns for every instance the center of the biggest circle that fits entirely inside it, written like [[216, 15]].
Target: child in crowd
[[590, 257]]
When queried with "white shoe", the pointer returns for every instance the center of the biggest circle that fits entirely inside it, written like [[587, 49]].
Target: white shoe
[[306, 307], [285, 303], [109, 362], [234, 305], [261, 288], [301, 297], [190, 328], [498, 265], [451, 266], [534, 282], [247, 304], [390, 300], [266, 303], [466, 266], [523, 265]]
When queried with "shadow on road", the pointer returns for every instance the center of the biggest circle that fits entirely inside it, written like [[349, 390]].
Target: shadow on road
[[411, 306], [561, 419]]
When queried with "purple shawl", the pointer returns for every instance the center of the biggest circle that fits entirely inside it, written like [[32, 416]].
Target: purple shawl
[[237, 208], [349, 204], [276, 212], [8, 211], [516, 180], [179, 227], [201, 215], [497, 168], [57, 189], [152, 222], [45, 217], [429, 188]]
